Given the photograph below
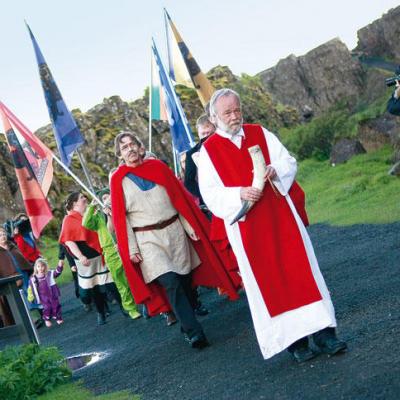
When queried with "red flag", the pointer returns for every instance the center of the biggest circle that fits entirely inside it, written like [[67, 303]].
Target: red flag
[[39, 155], [36, 204]]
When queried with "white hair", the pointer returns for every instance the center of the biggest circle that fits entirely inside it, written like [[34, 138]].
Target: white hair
[[220, 93]]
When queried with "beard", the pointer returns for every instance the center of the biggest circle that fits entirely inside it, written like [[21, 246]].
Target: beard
[[226, 128]]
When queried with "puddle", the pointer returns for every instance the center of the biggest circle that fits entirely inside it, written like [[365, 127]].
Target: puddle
[[84, 360]]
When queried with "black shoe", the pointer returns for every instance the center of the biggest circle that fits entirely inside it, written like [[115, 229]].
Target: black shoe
[[198, 341], [171, 319], [201, 311], [331, 345], [39, 323], [303, 354], [101, 319], [87, 307]]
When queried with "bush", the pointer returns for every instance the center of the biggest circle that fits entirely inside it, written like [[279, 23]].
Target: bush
[[316, 138], [30, 370]]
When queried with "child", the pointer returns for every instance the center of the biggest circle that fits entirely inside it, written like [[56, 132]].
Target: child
[[43, 288]]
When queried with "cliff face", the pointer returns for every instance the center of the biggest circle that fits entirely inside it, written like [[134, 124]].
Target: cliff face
[[381, 37], [317, 80]]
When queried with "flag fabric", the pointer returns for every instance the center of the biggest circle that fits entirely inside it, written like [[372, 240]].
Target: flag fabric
[[183, 68], [182, 136], [157, 98], [40, 157], [36, 205], [66, 131]]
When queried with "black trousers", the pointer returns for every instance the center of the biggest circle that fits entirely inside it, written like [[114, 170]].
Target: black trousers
[[97, 294], [76, 284], [319, 336], [182, 299]]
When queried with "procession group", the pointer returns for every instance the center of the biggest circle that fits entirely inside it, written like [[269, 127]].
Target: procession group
[[229, 221]]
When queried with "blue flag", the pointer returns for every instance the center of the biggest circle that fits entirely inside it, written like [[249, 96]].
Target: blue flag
[[182, 136], [66, 131]]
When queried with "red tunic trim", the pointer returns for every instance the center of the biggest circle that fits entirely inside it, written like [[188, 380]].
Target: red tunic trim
[[271, 239]]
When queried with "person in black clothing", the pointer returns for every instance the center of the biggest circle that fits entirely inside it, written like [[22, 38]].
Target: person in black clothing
[[84, 246], [204, 129], [393, 105], [62, 255]]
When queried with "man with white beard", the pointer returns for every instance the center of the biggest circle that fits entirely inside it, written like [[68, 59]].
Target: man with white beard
[[286, 292]]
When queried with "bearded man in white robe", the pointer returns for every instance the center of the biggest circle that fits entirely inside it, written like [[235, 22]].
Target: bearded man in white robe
[[287, 295]]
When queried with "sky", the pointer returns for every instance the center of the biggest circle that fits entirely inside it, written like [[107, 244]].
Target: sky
[[99, 48]]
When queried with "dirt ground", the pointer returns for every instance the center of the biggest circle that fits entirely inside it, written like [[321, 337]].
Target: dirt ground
[[361, 266]]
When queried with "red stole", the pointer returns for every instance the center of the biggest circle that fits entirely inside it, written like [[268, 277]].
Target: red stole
[[270, 235], [211, 272], [72, 230]]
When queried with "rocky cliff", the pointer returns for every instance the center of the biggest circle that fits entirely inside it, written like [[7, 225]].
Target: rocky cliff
[[381, 37], [316, 81]]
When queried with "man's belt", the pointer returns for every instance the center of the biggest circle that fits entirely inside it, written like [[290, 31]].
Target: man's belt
[[153, 227]]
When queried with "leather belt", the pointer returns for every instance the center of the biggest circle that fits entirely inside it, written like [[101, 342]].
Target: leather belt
[[153, 227]]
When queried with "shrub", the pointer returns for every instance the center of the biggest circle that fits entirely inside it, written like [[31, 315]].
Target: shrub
[[30, 370]]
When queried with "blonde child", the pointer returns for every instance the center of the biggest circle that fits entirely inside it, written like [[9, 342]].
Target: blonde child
[[43, 289]]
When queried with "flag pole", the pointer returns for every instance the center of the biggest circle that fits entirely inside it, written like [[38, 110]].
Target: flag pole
[[150, 97], [85, 170], [170, 65], [175, 160], [78, 180]]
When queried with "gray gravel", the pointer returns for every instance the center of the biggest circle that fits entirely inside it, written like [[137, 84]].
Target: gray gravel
[[361, 266]]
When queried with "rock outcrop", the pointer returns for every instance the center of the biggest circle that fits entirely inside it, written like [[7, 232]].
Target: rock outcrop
[[377, 132], [318, 80], [343, 150], [381, 37]]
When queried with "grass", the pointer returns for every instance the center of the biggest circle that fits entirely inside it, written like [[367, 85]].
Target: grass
[[49, 249], [77, 392], [357, 192]]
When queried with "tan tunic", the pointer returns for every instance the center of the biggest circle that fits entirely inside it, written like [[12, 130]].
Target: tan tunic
[[163, 250]]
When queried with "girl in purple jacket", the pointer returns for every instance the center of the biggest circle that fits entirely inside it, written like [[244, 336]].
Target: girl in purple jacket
[[43, 288]]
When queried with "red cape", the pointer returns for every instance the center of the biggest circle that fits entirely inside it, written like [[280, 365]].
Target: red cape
[[72, 230], [211, 272]]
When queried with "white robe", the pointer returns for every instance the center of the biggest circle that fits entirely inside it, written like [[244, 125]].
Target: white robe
[[274, 334]]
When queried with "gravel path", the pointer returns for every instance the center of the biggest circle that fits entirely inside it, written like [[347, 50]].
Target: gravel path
[[361, 266]]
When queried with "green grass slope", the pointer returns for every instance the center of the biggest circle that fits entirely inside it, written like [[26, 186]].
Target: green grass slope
[[357, 192]]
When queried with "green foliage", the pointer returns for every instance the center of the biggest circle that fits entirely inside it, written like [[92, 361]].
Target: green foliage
[[359, 191], [29, 370], [316, 138], [76, 391]]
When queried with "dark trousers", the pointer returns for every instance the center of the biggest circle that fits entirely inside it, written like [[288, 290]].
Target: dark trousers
[[97, 294], [319, 337], [112, 292], [182, 299], [76, 284]]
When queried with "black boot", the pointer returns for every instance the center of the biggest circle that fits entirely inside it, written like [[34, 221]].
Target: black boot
[[301, 351], [101, 319], [328, 343]]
